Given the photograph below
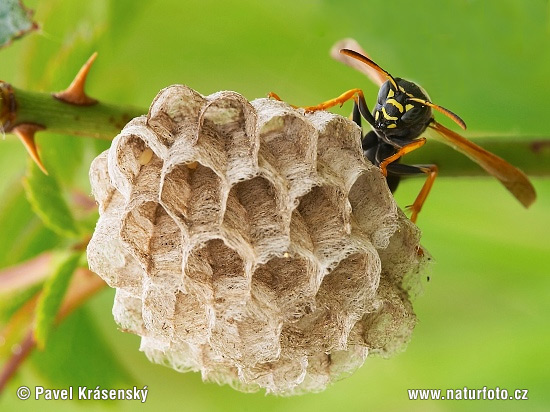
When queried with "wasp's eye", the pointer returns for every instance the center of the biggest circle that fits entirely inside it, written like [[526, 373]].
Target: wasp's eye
[[411, 115], [383, 93]]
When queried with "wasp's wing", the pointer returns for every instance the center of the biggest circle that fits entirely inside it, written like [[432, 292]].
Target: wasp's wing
[[512, 178], [375, 76]]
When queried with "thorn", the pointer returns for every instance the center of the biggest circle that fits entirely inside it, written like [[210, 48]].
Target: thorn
[[75, 94], [26, 132]]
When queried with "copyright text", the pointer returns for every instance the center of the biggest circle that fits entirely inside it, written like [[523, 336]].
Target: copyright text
[[83, 393]]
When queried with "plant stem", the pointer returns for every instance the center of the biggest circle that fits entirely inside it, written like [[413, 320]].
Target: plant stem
[[12, 365], [84, 285], [104, 121], [100, 120]]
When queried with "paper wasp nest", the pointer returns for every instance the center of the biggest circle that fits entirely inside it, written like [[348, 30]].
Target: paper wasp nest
[[252, 242]]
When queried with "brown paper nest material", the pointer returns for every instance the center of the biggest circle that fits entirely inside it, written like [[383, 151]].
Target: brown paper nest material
[[252, 242]]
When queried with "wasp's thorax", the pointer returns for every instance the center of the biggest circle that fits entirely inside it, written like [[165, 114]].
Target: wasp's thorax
[[395, 115]]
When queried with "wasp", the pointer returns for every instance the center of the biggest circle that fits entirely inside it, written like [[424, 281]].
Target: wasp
[[403, 113]]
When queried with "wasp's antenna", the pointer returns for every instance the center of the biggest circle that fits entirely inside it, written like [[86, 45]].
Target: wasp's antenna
[[454, 117], [369, 62]]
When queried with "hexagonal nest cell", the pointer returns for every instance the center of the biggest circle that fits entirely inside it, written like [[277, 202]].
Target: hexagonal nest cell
[[252, 242]]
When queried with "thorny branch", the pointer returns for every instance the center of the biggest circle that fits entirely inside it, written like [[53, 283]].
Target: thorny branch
[[72, 112]]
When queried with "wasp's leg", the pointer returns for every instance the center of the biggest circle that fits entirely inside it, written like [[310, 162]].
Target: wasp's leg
[[415, 144], [360, 105], [356, 115], [276, 97], [355, 94], [397, 169], [340, 100]]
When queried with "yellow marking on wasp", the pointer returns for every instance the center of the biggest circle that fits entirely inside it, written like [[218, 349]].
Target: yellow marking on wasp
[[409, 107], [376, 115], [401, 88], [390, 93], [391, 126], [386, 115], [396, 104]]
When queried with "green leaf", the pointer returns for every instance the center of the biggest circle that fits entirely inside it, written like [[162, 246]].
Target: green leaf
[[14, 21], [52, 295], [15, 318], [23, 234], [78, 355], [63, 156], [12, 301], [45, 197]]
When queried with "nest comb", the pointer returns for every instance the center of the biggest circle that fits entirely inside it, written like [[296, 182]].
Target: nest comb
[[252, 242]]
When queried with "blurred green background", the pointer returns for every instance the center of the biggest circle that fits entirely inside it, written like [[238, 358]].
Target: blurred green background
[[484, 315]]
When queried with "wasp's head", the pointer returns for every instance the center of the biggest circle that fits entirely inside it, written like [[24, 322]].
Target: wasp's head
[[403, 109], [398, 111]]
